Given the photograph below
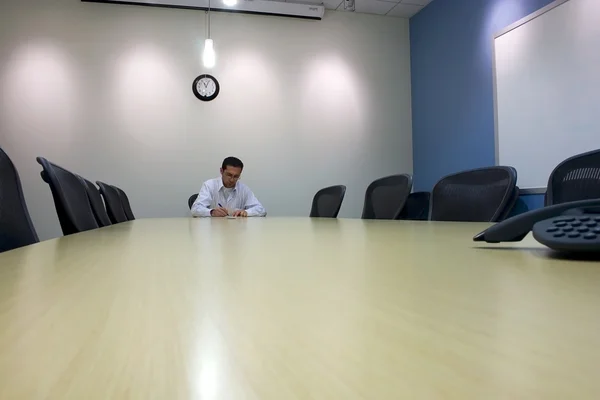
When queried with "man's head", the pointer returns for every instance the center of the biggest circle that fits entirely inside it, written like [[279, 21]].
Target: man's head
[[231, 170]]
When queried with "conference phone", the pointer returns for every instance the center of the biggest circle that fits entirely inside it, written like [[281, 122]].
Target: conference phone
[[567, 227]]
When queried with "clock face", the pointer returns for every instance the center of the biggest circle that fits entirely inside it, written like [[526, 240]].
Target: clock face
[[206, 87]]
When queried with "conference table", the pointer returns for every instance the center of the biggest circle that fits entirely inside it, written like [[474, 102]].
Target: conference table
[[296, 308]]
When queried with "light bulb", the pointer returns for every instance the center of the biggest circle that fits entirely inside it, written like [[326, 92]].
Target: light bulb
[[230, 3], [208, 56]]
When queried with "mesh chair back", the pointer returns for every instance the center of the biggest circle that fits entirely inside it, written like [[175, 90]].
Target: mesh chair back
[[510, 205], [96, 202], [70, 198], [385, 197], [328, 201], [114, 208], [416, 207], [16, 229], [475, 195], [192, 200], [576, 178], [125, 204]]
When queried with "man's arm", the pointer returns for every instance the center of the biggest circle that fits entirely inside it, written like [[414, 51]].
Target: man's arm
[[253, 206], [201, 207]]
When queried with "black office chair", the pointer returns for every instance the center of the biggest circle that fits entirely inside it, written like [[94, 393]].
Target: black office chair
[[16, 228], [96, 202], [385, 197], [477, 195], [125, 204], [327, 202], [70, 198], [576, 178], [192, 200], [510, 205], [416, 207], [114, 208]]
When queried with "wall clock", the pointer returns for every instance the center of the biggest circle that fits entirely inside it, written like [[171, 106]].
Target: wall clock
[[206, 87]]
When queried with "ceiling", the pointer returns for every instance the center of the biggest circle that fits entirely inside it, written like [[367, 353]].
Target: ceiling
[[393, 8]]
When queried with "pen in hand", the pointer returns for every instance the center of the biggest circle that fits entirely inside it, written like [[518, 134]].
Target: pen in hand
[[224, 209]]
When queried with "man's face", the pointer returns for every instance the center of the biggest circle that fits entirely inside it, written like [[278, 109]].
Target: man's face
[[230, 176]]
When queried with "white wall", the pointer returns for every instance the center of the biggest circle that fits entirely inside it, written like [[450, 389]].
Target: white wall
[[105, 91]]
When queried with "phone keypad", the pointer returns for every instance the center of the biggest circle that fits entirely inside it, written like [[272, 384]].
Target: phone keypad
[[584, 227]]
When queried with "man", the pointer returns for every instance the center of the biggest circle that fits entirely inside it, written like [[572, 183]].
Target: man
[[225, 196]]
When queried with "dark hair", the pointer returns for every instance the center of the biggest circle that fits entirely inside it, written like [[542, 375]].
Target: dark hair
[[232, 162]]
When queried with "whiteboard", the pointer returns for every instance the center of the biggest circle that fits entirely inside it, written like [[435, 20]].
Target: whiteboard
[[547, 89]]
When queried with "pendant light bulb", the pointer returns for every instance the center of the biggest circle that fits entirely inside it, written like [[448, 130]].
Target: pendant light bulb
[[209, 56], [230, 3]]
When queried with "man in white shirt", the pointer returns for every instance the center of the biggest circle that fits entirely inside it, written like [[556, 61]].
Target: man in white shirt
[[225, 195]]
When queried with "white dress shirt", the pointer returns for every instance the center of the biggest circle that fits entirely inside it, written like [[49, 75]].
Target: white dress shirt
[[214, 195]]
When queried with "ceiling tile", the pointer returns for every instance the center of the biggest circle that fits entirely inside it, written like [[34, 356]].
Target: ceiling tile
[[332, 4], [416, 2], [404, 10], [304, 1], [372, 6]]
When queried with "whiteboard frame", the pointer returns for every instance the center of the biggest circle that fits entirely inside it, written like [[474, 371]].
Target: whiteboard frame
[[522, 21]]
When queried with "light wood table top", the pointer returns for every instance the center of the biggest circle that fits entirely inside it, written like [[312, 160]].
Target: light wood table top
[[289, 309]]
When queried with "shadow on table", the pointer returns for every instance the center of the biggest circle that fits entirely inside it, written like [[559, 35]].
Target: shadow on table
[[546, 253], [508, 248]]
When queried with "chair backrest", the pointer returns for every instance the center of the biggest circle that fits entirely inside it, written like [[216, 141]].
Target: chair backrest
[[70, 198], [416, 207], [576, 178], [96, 202], [328, 201], [475, 195], [125, 204], [16, 229], [192, 200], [510, 205], [114, 208], [385, 197]]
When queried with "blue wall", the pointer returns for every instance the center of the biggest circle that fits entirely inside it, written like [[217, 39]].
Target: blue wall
[[452, 87]]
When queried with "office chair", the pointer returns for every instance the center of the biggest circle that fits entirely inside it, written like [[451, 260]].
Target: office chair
[[70, 198], [416, 207], [125, 204], [476, 195], [510, 205], [327, 202], [576, 178], [385, 197], [192, 200], [114, 208], [16, 228], [96, 202]]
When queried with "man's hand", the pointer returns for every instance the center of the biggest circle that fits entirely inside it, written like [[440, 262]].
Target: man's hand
[[219, 212], [240, 213]]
